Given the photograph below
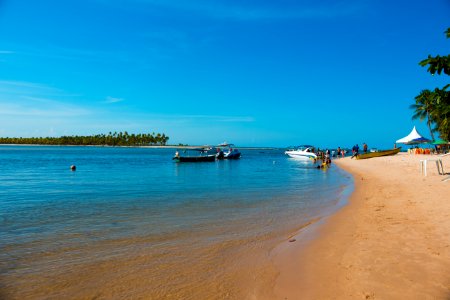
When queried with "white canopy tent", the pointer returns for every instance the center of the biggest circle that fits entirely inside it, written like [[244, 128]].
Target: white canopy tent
[[413, 138]]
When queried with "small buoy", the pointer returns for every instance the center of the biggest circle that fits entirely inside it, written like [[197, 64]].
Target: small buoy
[[73, 167]]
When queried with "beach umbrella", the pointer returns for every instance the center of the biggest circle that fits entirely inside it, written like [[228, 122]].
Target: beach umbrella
[[440, 142]]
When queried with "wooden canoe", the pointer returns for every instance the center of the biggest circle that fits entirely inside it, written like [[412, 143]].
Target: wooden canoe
[[378, 153]]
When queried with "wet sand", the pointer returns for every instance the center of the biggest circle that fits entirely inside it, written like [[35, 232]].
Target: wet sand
[[392, 241]]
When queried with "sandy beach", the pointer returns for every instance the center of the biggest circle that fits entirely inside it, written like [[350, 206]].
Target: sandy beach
[[392, 241]]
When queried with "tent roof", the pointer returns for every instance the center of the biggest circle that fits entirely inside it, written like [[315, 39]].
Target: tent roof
[[413, 138]]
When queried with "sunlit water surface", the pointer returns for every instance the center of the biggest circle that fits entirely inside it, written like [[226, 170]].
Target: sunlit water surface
[[132, 223]]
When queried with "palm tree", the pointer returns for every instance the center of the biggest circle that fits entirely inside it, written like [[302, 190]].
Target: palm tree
[[438, 63], [441, 114], [423, 108]]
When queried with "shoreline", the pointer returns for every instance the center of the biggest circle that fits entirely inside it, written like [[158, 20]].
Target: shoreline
[[149, 146], [391, 241]]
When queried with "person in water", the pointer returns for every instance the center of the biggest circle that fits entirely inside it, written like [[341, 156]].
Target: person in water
[[327, 158], [323, 165]]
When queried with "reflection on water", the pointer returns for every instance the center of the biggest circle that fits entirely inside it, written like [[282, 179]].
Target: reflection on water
[[131, 223]]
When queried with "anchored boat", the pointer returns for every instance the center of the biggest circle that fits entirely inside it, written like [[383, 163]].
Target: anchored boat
[[195, 155], [302, 152], [378, 153], [230, 151]]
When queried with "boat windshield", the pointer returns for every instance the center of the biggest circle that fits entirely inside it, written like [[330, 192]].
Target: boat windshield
[[306, 148], [225, 145]]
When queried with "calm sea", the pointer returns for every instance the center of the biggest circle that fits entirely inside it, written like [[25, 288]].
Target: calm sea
[[132, 223]]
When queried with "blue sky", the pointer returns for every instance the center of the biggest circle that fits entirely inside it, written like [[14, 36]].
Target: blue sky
[[256, 73]]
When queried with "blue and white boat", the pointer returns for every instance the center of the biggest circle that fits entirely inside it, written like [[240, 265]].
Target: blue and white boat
[[229, 152]]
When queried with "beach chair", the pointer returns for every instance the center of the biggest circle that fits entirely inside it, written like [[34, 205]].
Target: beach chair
[[438, 161], [439, 165], [448, 177]]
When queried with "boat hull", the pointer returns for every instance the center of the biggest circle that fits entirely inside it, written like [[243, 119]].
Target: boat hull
[[230, 152], [379, 153], [208, 158], [301, 155], [232, 155]]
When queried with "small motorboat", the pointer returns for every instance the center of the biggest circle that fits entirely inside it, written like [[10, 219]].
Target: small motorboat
[[304, 152], [229, 152], [195, 155]]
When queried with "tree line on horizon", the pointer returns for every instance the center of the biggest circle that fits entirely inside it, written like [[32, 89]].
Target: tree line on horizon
[[434, 105], [110, 139]]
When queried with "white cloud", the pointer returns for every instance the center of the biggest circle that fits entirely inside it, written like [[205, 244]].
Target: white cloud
[[35, 109], [54, 109], [110, 99], [21, 98], [14, 87]]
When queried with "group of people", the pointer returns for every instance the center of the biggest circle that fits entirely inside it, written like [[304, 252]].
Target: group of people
[[355, 150], [340, 152], [326, 157]]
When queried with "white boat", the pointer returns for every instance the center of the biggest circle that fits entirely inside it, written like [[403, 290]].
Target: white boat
[[302, 152]]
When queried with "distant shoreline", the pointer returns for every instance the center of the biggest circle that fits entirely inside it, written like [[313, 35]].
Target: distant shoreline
[[149, 146]]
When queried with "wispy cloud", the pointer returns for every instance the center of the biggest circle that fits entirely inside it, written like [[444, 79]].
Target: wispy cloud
[[13, 87], [36, 109], [110, 100], [21, 98], [216, 118], [58, 111], [258, 10], [55, 52], [189, 118]]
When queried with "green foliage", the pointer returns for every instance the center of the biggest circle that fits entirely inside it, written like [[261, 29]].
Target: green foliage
[[438, 63], [111, 139], [425, 103], [434, 106], [441, 114]]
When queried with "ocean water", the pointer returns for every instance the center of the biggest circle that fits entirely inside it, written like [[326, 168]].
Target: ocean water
[[132, 223]]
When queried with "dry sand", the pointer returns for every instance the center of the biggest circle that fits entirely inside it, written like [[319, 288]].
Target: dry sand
[[392, 241]]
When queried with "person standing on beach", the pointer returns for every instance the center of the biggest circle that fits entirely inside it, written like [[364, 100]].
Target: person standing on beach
[[355, 150], [365, 147], [338, 152]]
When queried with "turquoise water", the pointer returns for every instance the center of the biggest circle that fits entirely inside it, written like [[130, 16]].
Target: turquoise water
[[137, 201]]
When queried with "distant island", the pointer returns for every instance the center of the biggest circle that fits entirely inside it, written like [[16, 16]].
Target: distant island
[[110, 139]]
